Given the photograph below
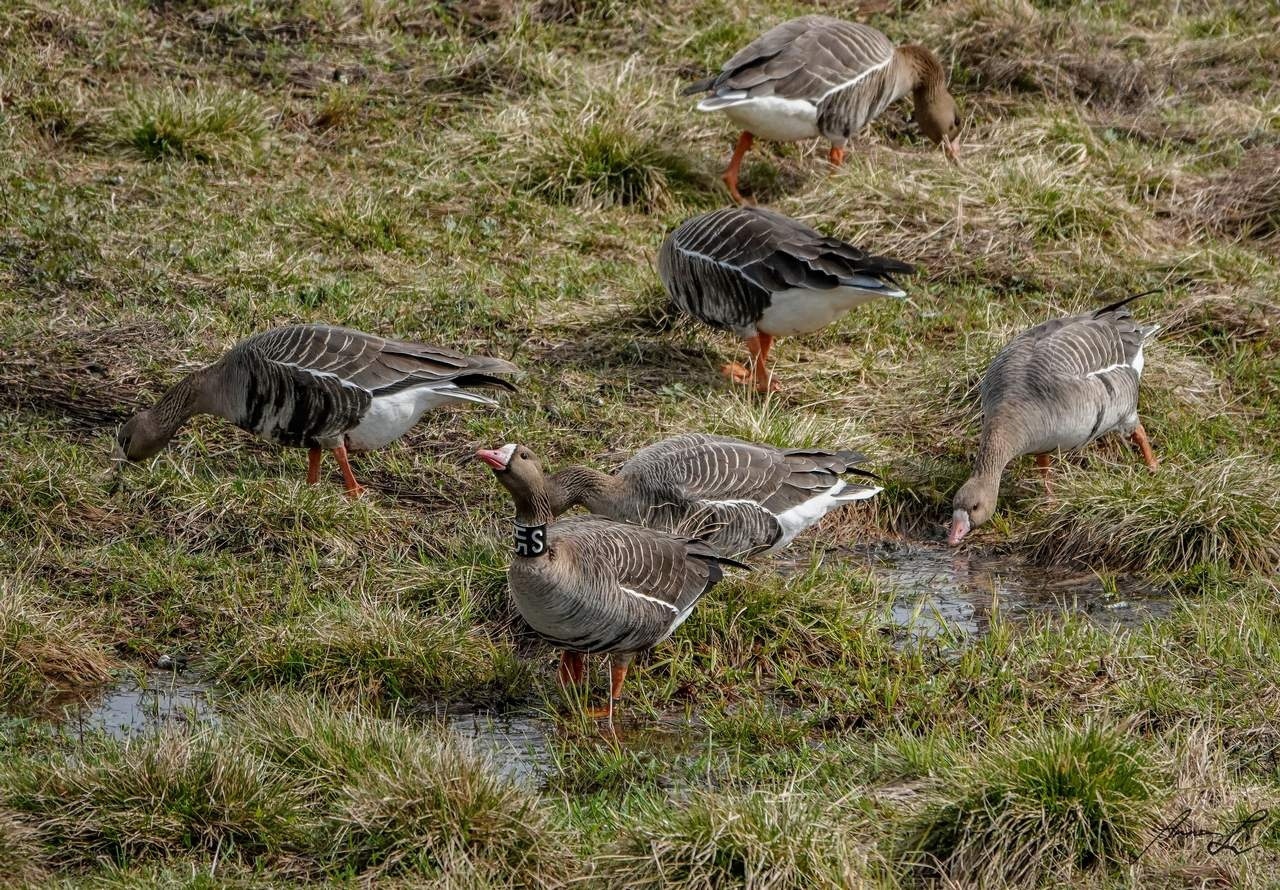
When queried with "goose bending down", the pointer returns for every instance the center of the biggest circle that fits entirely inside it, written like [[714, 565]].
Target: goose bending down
[[818, 76], [741, 498], [1056, 386], [317, 387], [763, 275], [589, 585]]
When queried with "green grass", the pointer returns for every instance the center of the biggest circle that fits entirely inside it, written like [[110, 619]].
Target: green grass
[[1060, 800], [497, 177]]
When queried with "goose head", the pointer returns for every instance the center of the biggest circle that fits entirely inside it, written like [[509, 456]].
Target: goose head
[[972, 505], [142, 436], [939, 120], [520, 472]]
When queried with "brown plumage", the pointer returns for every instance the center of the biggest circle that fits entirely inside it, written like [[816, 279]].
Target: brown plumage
[[588, 584], [762, 275], [1057, 386], [317, 387], [819, 76], [741, 497]]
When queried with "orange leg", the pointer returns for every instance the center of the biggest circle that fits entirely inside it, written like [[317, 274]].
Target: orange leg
[[353, 487], [836, 156], [730, 176], [313, 465], [1042, 461], [757, 371], [572, 665], [759, 346], [617, 676], [1139, 438]]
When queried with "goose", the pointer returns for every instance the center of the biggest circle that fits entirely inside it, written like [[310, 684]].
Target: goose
[[318, 387], [763, 275], [819, 76], [742, 498], [587, 584], [1056, 386]]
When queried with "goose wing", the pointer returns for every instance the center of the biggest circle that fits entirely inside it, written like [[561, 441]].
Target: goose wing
[[724, 266], [647, 581], [805, 58], [377, 365], [1063, 353]]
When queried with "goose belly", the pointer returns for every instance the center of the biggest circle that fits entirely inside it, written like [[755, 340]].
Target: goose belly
[[390, 417], [1075, 429], [774, 118], [799, 310]]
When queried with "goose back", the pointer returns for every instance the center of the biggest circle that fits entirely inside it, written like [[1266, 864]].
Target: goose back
[[807, 76], [743, 498], [605, 586], [728, 267], [314, 385], [1068, 381]]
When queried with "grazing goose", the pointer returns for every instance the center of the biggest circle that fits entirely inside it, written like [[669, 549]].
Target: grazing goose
[[818, 76], [741, 498], [587, 584], [763, 275], [1057, 386], [317, 387]]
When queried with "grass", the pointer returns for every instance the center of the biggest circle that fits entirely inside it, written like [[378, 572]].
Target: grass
[[497, 177], [1061, 800]]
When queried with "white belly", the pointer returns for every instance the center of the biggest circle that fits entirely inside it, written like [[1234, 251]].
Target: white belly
[[769, 117], [799, 310], [390, 417]]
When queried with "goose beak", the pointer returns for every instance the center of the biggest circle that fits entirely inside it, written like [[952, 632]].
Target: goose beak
[[959, 527], [951, 148], [498, 458]]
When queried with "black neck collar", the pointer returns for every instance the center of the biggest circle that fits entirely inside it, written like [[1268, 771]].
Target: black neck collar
[[531, 540]]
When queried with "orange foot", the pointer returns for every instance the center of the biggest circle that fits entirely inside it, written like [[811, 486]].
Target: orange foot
[[738, 373]]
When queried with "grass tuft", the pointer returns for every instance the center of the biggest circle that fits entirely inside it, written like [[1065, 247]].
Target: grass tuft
[[41, 647], [746, 839], [392, 798], [599, 161], [151, 799], [1225, 512], [364, 648], [1056, 800], [200, 124]]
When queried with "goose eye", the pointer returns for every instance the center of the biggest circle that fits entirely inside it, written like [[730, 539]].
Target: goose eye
[[524, 455]]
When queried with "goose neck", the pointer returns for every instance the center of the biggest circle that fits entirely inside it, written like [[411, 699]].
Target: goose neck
[[581, 486]]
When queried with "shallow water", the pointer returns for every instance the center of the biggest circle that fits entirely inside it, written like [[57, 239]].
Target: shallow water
[[935, 589], [142, 702], [937, 586]]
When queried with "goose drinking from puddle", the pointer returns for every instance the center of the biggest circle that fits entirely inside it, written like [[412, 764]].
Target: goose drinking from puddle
[[317, 387], [742, 498], [590, 585], [819, 76], [1055, 387], [763, 275]]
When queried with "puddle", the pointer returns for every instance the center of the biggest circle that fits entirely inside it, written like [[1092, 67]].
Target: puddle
[[517, 742], [935, 585], [142, 702]]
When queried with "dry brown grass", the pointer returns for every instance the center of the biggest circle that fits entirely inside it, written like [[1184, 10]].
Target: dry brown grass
[[1242, 202]]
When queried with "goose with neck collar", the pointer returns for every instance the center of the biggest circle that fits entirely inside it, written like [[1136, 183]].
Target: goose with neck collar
[[820, 76], [595, 585]]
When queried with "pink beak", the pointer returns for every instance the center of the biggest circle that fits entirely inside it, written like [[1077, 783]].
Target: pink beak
[[951, 148], [959, 527], [493, 457]]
